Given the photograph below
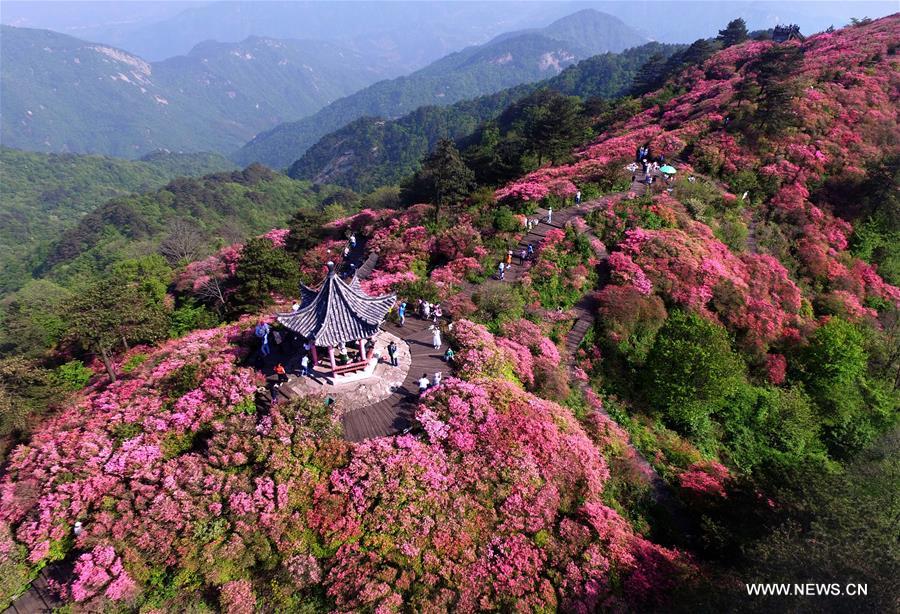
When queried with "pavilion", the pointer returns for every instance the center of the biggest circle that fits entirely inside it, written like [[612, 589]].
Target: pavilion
[[335, 314]]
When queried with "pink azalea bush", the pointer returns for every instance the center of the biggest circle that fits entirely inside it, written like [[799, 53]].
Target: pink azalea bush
[[522, 354], [499, 507], [751, 294], [705, 479]]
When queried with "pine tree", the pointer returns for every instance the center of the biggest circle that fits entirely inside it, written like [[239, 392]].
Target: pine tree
[[553, 124], [110, 312], [444, 178], [262, 270], [734, 33], [650, 75]]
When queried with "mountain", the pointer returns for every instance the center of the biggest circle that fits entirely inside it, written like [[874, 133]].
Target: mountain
[[217, 209], [509, 60], [403, 36], [64, 94], [593, 31], [46, 194], [373, 151], [691, 382]]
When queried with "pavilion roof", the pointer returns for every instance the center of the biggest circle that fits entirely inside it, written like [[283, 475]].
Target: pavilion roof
[[337, 312]]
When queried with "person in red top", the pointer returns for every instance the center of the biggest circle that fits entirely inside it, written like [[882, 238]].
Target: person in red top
[[281, 373]]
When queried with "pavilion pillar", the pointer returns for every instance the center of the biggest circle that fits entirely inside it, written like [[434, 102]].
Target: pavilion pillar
[[362, 350], [331, 358], [315, 355]]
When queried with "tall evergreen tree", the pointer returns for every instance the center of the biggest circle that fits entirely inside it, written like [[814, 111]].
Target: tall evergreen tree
[[650, 76], [553, 125], [444, 178], [112, 312], [734, 33], [262, 270]]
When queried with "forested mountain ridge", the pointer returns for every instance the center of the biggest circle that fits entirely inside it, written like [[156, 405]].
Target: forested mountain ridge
[[62, 94], [46, 194], [211, 210], [373, 151], [506, 61]]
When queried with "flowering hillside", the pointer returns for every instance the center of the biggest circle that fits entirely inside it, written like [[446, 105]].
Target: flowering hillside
[[839, 117], [177, 483], [564, 463]]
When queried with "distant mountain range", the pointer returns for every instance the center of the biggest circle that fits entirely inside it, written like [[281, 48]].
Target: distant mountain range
[[403, 36], [508, 60], [373, 151], [62, 94]]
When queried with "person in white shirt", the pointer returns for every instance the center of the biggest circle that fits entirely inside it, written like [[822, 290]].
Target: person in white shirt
[[437, 379], [423, 383], [304, 365]]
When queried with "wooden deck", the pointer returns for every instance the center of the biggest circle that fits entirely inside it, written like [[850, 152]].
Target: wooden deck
[[38, 598], [395, 414]]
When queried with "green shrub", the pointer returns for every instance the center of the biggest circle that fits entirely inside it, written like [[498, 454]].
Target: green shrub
[[72, 375], [498, 303], [690, 370], [134, 362], [191, 316]]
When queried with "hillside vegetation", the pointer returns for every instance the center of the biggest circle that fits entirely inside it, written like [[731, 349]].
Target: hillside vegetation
[[506, 61], [373, 151], [45, 194], [728, 412], [62, 94]]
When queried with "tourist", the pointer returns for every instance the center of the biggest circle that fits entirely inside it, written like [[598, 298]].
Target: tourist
[[423, 383], [401, 312], [392, 352], [295, 306], [436, 337], [437, 379], [346, 251], [281, 373], [448, 355], [352, 269], [530, 251], [276, 337], [508, 258], [304, 365], [352, 241], [523, 254], [501, 269], [550, 215], [370, 348], [262, 333], [578, 197], [438, 313], [342, 351], [426, 310]]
